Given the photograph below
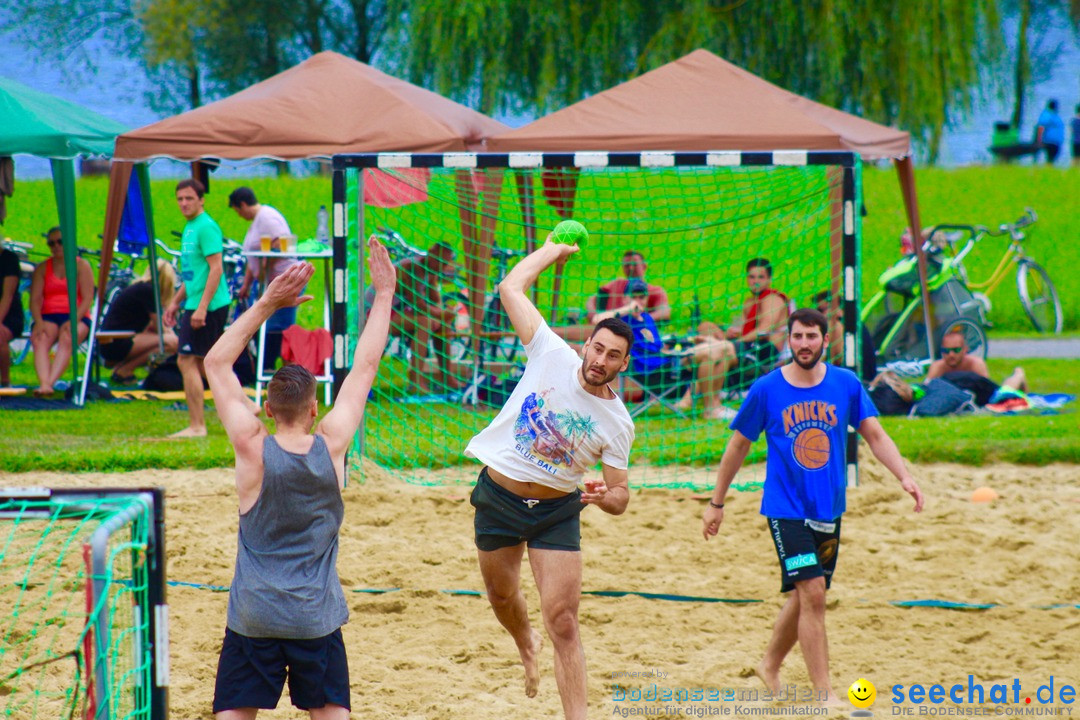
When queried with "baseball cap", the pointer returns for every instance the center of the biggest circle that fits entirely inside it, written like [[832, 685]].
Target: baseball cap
[[636, 286]]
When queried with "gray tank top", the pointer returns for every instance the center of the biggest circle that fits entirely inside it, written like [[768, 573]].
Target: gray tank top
[[286, 583]]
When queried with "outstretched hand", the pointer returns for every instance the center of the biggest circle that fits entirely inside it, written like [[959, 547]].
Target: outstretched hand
[[383, 272], [284, 290]]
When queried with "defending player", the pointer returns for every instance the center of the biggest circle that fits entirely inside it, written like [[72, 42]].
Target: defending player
[[805, 408], [561, 419], [286, 606]]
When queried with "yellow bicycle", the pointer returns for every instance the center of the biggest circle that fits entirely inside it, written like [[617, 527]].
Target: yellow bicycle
[[1037, 293]]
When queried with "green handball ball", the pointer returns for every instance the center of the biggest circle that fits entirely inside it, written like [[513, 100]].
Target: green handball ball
[[570, 232]]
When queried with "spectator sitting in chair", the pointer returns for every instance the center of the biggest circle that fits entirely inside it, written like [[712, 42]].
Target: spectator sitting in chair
[[969, 372], [133, 309], [650, 364], [744, 352], [419, 315], [613, 300], [50, 310]]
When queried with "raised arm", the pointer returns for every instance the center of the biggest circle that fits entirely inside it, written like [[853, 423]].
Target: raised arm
[[229, 398], [522, 313], [340, 424]]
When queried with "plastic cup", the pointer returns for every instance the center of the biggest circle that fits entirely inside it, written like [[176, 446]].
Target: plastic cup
[[265, 241], [288, 242]]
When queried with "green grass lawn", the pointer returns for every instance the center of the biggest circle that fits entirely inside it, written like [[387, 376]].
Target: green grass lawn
[[112, 436], [117, 436]]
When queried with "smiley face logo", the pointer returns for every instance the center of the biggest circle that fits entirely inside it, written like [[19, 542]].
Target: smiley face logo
[[862, 693]]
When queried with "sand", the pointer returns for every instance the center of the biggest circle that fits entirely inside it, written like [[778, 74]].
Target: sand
[[420, 652]]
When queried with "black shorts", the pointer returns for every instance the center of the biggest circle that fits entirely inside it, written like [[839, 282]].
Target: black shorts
[[252, 671], [14, 323], [504, 519], [198, 342], [752, 360], [806, 548], [116, 351], [58, 319]]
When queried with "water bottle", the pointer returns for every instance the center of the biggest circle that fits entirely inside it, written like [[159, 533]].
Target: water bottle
[[322, 232]]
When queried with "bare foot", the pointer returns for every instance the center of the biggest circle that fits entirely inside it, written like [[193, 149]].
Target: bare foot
[[769, 678], [529, 660], [44, 391], [189, 432], [831, 698]]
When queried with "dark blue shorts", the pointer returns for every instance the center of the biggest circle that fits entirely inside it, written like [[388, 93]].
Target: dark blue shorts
[[252, 671], [58, 319], [504, 519], [806, 548]]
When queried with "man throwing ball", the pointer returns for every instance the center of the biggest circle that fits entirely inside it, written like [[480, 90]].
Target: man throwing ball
[[805, 408], [561, 419]]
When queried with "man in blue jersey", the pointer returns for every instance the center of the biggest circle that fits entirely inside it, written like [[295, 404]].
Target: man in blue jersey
[[805, 408]]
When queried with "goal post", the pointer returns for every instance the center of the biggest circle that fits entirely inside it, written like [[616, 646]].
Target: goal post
[[84, 624], [694, 218]]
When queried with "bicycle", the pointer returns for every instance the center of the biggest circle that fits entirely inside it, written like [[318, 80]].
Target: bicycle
[[1037, 293]]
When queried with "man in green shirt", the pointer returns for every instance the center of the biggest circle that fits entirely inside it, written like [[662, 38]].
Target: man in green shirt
[[202, 300]]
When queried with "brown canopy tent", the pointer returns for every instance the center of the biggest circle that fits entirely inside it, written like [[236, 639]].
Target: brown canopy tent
[[702, 102], [326, 105]]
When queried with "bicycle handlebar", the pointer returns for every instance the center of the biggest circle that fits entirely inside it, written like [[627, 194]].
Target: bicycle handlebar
[[976, 232]]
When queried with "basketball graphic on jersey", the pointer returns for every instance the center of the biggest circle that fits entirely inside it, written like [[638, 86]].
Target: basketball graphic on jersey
[[811, 448]]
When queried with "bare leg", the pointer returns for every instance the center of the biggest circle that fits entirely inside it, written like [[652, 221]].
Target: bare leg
[[812, 639], [329, 712], [42, 339], [5, 356], [714, 359], [143, 346], [558, 578], [64, 350], [1016, 381], [191, 369], [237, 714], [501, 570], [785, 633]]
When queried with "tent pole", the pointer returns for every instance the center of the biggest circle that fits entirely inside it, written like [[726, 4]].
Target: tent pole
[[63, 172], [906, 172]]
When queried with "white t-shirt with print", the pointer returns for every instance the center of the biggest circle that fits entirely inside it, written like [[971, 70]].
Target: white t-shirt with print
[[267, 221], [550, 431]]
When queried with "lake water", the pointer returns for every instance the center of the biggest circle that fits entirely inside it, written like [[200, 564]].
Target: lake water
[[118, 91]]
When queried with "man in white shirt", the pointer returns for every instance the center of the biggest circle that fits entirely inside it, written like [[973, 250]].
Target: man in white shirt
[[265, 221], [560, 421]]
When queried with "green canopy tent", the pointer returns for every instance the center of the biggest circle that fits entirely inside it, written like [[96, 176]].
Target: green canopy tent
[[35, 123]]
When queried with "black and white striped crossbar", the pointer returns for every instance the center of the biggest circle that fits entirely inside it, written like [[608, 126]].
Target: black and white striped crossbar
[[598, 159]]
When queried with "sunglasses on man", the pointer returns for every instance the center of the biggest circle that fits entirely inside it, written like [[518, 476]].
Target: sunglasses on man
[[949, 351]]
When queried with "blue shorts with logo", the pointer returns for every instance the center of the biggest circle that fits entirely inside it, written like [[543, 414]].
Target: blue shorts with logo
[[806, 549]]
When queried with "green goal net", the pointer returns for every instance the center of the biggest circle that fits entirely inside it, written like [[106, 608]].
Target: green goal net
[[83, 621], [670, 236]]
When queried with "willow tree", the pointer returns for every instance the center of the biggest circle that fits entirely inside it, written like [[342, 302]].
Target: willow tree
[[916, 64]]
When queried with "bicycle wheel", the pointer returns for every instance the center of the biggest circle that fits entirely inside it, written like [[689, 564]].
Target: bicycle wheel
[[973, 333], [1039, 297]]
